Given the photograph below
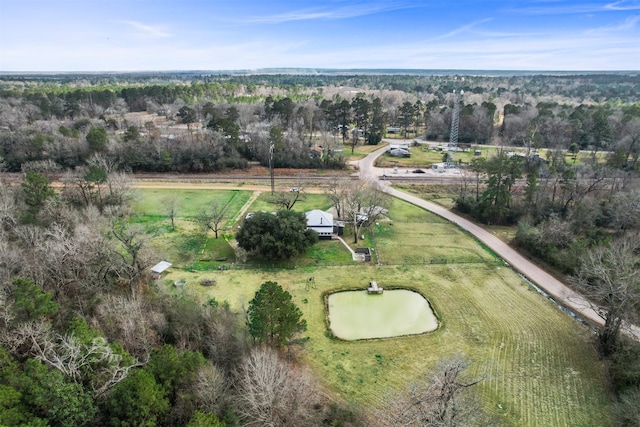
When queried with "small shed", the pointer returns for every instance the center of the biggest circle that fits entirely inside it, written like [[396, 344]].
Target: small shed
[[366, 252], [160, 268]]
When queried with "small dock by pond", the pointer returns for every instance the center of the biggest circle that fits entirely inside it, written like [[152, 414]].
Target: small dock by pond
[[374, 288]]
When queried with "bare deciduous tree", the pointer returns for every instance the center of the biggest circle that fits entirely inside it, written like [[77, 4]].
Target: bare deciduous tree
[[357, 203], [133, 259], [336, 194], [288, 199], [624, 210], [9, 212], [442, 399], [273, 392], [131, 322], [211, 389], [610, 277], [213, 218], [170, 207], [94, 363]]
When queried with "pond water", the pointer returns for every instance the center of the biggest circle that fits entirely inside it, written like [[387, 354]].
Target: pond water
[[356, 315]]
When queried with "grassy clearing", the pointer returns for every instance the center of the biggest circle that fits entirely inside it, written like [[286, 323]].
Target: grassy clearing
[[415, 236], [541, 368], [415, 243], [189, 202], [405, 212], [186, 246], [312, 201]]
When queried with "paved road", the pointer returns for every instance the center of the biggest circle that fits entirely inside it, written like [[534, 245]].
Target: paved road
[[554, 287]]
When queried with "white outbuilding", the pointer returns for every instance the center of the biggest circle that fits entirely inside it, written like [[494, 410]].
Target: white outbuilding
[[321, 222]]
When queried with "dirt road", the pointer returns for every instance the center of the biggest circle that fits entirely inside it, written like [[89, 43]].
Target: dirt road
[[216, 186], [560, 292]]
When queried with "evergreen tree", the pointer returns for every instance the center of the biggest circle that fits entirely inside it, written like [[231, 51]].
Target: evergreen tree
[[97, 139], [137, 401], [272, 317], [36, 191]]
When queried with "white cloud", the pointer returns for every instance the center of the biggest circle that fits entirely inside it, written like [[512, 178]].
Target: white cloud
[[462, 29], [147, 31], [628, 24], [623, 5], [323, 13], [578, 8]]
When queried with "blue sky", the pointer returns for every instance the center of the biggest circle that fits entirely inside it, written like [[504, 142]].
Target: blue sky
[[138, 35]]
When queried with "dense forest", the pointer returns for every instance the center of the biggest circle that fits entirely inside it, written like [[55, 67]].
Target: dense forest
[[216, 122], [87, 341]]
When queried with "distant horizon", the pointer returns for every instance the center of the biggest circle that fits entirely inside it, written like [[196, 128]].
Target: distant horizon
[[132, 36], [325, 71]]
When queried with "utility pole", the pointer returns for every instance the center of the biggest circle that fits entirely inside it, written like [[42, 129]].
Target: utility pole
[[271, 147]]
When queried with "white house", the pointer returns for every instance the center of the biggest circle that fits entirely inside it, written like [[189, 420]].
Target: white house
[[321, 222], [399, 147], [399, 150]]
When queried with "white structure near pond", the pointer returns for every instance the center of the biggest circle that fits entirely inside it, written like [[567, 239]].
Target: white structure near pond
[[374, 288], [321, 222], [160, 267]]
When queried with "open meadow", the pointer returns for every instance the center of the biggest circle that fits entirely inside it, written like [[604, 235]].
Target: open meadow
[[540, 365]]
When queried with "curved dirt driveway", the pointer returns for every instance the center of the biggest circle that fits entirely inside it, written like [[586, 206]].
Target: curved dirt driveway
[[554, 287]]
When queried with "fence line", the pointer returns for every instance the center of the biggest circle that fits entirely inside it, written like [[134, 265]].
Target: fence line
[[266, 266]]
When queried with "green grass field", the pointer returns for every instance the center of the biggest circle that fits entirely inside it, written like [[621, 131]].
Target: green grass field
[[152, 201], [540, 364], [311, 201], [185, 246]]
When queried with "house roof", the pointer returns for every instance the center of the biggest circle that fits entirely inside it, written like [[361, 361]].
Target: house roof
[[318, 218], [160, 267], [399, 152]]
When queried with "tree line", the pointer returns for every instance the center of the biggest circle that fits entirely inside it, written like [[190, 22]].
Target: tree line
[[233, 120], [86, 339]]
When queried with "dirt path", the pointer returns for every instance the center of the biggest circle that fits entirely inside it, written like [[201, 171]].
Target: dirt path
[[168, 185], [246, 206]]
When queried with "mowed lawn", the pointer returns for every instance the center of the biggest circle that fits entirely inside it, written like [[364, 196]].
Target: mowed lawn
[[414, 236], [186, 246], [540, 364]]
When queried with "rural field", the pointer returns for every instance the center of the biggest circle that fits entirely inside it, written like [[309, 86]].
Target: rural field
[[540, 365]]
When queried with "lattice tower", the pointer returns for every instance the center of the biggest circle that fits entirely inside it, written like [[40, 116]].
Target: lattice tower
[[453, 136]]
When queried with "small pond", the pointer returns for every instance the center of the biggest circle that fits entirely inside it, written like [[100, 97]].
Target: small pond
[[357, 315]]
